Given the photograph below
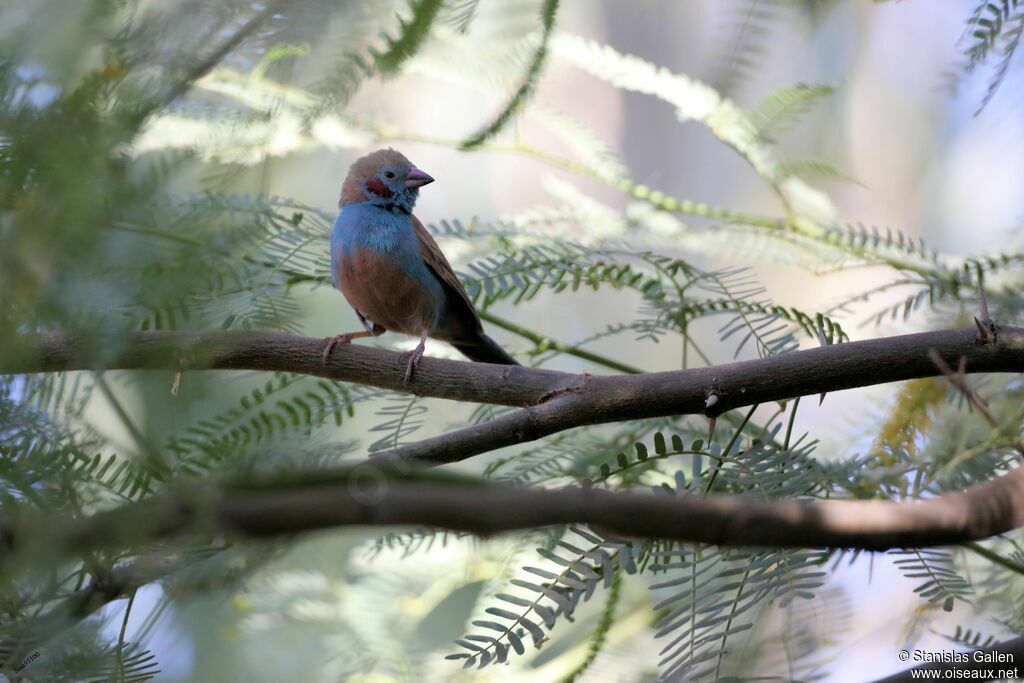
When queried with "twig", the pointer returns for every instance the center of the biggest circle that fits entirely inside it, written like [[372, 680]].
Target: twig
[[547, 343], [982, 300], [728, 447], [995, 557], [986, 326], [957, 380], [204, 66]]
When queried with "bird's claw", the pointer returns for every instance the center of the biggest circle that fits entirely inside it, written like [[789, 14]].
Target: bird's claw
[[414, 360], [336, 340]]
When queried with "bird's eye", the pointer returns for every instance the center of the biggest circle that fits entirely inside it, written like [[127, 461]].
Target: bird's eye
[[389, 175]]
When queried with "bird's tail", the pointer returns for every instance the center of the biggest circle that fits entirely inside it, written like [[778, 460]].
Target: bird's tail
[[483, 349]]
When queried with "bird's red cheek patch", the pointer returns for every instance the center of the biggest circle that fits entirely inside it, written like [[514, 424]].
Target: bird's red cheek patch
[[377, 187]]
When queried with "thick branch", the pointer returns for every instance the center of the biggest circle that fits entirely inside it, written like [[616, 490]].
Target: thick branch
[[557, 400], [370, 496], [654, 394]]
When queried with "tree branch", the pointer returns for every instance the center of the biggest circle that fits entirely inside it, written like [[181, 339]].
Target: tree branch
[[376, 496], [556, 400], [653, 394]]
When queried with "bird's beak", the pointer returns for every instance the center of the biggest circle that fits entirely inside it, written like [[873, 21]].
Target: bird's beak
[[417, 178]]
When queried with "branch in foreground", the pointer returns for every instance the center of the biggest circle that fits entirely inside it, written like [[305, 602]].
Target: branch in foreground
[[369, 496], [556, 400]]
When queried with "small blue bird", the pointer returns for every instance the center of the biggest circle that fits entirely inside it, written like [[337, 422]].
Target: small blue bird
[[391, 270]]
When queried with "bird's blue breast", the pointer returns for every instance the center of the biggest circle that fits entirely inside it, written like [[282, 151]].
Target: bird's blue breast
[[387, 234], [376, 263]]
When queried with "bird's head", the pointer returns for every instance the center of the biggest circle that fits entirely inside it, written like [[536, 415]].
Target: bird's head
[[385, 178]]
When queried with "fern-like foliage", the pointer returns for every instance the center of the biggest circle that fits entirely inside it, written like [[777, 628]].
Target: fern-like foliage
[[570, 576], [529, 82], [940, 582], [859, 236], [971, 638], [519, 275], [771, 328], [567, 457], [696, 101], [116, 475], [709, 596], [284, 408], [993, 27], [412, 34], [370, 48], [235, 252], [411, 542], [124, 662], [460, 14], [402, 416], [748, 26], [693, 651], [781, 109]]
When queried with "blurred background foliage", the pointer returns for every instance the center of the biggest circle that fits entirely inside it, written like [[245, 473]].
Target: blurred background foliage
[[623, 187]]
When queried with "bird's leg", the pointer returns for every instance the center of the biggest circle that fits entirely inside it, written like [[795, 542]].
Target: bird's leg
[[414, 357], [342, 339]]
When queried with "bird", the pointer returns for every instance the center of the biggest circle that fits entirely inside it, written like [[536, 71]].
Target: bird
[[392, 272]]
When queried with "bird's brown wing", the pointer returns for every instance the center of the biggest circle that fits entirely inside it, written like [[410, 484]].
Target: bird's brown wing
[[437, 263]]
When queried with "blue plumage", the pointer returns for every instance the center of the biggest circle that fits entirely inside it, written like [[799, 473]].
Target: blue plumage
[[390, 269], [377, 264], [366, 226]]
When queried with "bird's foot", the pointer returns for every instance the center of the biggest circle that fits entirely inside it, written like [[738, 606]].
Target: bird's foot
[[414, 360], [336, 340]]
